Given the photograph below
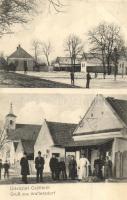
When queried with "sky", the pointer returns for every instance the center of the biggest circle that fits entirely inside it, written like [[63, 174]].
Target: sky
[[33, 108], [79, 17]]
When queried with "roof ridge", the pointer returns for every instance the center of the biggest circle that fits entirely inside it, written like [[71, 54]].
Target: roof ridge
[[62, 122]]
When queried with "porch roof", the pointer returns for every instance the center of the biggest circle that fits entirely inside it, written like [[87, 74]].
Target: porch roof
[[89, 142]]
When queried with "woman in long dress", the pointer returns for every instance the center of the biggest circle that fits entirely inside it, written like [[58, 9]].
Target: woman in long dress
[[83, 168]]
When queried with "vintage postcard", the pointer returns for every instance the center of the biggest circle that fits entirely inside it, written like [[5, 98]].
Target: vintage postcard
[[63, 99]]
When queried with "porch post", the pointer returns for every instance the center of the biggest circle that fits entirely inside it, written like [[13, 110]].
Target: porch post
[[114, 150]]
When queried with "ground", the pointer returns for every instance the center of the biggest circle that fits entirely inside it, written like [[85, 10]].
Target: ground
[[15, 80], [47, 179], [58, 80]]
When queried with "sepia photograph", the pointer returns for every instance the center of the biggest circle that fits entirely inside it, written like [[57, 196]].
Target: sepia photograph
[[63, 44], [45, 138]]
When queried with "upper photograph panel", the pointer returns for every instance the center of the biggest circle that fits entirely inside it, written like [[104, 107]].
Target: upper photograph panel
[[63, 44]]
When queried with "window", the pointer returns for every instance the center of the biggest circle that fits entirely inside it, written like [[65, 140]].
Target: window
[[25, 63], [91, 114], [11, 122]]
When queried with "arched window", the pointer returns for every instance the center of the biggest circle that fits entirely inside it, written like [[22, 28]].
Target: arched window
[[11, 122]]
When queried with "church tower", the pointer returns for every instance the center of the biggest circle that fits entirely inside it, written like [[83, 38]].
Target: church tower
[[10, 120]]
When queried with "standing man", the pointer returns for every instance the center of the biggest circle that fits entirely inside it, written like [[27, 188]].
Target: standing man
[[83, 167], [39, 165], [107, 168], [24, 168], [0, 167], [98, 164], [73, 168], [88, 78], [67, 161], [53, 166], [62, 169], [6, 167], [72, 78]]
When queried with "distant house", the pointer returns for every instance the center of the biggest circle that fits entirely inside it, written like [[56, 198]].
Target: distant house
[[122, 65], [92, 62], [65, 64], [20, 58]]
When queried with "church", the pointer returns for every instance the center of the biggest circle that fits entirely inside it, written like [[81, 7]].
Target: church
[[102, 131]]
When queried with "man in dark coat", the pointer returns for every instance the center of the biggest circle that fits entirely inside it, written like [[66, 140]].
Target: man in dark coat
[[24, 167], [1, 166], [54, 166], [72, 77], [88, 78], [62, 168], [98, 164], [107, 168], [73, 168], [6, 167], [39, 165]]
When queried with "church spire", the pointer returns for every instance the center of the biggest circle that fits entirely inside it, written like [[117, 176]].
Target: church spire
[[11, 108]]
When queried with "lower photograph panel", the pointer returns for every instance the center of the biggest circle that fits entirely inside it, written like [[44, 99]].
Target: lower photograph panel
[[63, 138]]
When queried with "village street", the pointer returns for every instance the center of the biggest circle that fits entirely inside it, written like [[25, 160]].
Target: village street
[[15, 80], [80, 80]]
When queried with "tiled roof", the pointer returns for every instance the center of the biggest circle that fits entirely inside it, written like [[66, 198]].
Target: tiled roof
[[25, 132], [88, 142], [120, 107], [67, 60], [20, 53], [62, 136], [61, 132], [28, 146]]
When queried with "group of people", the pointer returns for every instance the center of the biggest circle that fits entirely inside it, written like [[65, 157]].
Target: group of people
[[88, 78], [4, 166], [67, 169], [39, 165], [103, 168]]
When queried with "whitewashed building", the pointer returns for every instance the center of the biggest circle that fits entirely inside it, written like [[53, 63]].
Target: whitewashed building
[[20, 58]]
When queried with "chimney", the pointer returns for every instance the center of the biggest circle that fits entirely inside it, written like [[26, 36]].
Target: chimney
[[18, 46]]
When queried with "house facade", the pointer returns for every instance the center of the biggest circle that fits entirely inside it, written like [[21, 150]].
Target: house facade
[[122, 65], [102, 131], [52, 139], [21, 59], [65, 64]]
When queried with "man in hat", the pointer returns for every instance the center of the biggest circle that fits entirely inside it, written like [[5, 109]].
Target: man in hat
[[88, 78], [39, 165], [24, 167]]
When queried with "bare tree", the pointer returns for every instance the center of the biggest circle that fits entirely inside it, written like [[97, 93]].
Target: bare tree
[[3, 138], [74, 47], [46, 49], [36, 49], [20, 12], [57, 5], [103, 39]]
